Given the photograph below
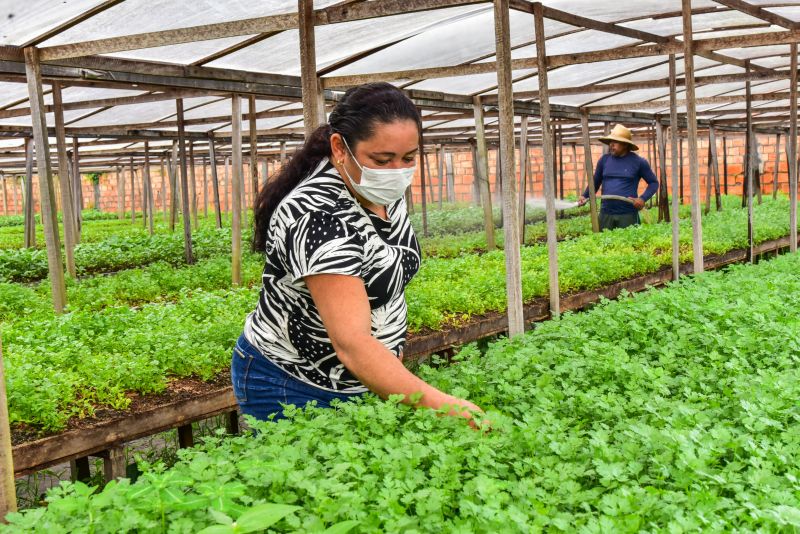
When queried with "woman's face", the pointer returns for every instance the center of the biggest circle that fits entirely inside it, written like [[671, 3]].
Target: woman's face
[[393, 145]]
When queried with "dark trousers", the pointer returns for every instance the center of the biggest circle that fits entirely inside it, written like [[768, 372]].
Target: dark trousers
[[609, 221], [262, 388]]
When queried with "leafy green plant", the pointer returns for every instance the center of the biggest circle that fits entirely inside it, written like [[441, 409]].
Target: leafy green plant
[[672, 410]]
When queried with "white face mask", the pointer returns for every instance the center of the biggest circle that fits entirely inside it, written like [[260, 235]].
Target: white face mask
[[380, 186]]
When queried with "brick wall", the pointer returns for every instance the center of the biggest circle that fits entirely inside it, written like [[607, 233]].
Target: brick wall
[[462, 166]]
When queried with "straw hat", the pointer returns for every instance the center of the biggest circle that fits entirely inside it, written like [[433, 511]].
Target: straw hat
[[619, 134]]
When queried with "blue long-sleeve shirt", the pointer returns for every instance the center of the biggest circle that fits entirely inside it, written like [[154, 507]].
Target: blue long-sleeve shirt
[[620, 176]]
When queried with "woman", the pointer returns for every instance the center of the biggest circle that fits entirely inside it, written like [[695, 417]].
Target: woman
[[331, 318]]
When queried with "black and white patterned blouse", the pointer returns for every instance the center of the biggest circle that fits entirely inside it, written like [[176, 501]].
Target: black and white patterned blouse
[[321, 228]]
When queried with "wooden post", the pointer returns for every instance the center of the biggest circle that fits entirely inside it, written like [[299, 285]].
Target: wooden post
[[205, 188], [440, 172], [555, 157], [185, 436], [67, 205], [712, 143], [113, 463], [709, 176], [133, 192], [422, 169], [308, 68], [15, 195], [8, 490], [253, 137], [215, 181], [589, 172], [756, 167], [544, 105], [749, 169], [476, 184], [30, 214], [575, 170], [523, 169], [691, 119], [193, 186], [561, 160], [663, 195], [5, 194], [674, 139], [148, 187], [283, 153], [236, 147], [516, 320], [680, 157], [77, 190], [430, 176], [120, 193], [450, 173], [725, 163], [172, 169], [264, 172], [33, 74], [187, 223], [777, 166], [228, 202], [483, 173], [232, 422], [791, 154], [162, 170]]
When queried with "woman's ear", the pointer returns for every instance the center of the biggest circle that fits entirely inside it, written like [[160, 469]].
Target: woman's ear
[[338, 149]]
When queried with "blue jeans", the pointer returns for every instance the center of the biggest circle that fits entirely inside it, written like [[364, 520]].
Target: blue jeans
[[262, 388]]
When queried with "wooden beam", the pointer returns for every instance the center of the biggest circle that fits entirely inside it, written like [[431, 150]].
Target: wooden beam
[[109, 102], [68, 219], [46, 193], [750, 156], [74, 21], [691, 119], [760, 13], [516, 322], [664, 104], [331, 15], [672, 47]]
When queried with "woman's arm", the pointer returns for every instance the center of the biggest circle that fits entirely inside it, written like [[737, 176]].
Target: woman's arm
[[344, 307]]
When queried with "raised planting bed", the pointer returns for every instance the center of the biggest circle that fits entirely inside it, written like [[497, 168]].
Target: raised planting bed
[[188, 400]]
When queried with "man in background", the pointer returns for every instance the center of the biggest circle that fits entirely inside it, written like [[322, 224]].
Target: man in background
[[619, 173]]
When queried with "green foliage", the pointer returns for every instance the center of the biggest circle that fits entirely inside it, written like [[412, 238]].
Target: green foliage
[[115, 253], [671, 411]]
